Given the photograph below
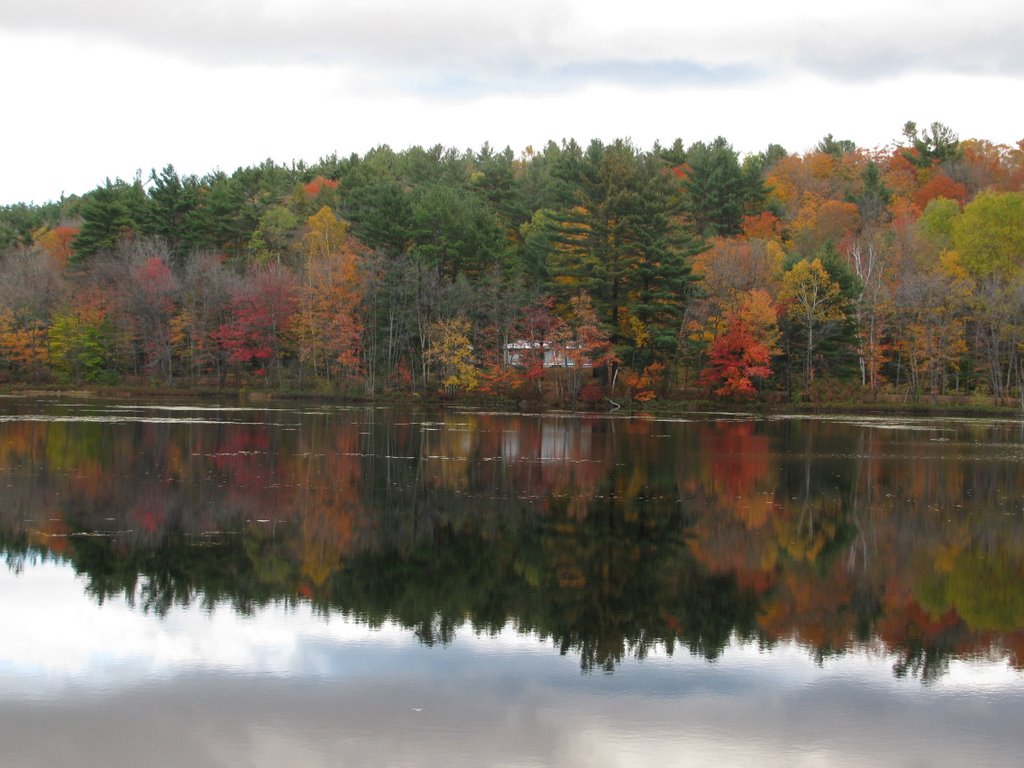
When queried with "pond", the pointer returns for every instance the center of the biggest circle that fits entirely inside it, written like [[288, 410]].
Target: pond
[[223, 585]]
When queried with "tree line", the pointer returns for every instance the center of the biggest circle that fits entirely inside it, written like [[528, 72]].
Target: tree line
[[570, 273]]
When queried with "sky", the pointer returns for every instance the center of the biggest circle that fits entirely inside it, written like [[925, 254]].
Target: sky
[[112, 87]]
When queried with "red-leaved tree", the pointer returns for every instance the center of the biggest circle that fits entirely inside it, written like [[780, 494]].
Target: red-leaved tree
[[261, 309], [737, 359]]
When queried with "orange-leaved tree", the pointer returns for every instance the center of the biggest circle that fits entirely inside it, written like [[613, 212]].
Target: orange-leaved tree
[[741, 357], [327, 328]]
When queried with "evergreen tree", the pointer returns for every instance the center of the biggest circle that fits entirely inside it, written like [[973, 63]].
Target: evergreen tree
[[454, 230], [931, 146], [109, 213], [19, 221], [623, 243], [380, 211], [835, 147], [663, 280], [217, 220], [874, 198], [596, 242], [172, 201], [720, 192]]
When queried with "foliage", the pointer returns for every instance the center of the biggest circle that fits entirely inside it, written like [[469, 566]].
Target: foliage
[[24, 346], [989, 234], [930, 146], [814, 303], [741, 357], [451, 352], [667, 244], [260, 312], [109, 214], [81, 341], [719, 191], [327, 326]]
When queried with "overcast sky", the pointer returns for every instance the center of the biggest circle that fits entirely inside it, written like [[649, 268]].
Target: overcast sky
[[107, 87]]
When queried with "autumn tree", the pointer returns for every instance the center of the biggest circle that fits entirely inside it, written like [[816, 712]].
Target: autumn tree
[[58, 242], [450, 353], [737, 360], [319, 192], [983, 165], [499, 301], [933, 303], [939, 185], [576, 343], [730, 268], [207, 286], [872, 255], [815, 304], [534, 333], [82, 340], [261, 309], [989, 240], [150, 296], [935, 225], [327, 325], [822, 222], [31, 288], [989, 235], [727, 271], [740, 357]]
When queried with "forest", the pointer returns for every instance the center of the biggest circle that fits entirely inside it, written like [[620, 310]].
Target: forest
[[570, 274]]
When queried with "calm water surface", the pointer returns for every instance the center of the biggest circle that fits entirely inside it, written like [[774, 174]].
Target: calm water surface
[[299, 585]]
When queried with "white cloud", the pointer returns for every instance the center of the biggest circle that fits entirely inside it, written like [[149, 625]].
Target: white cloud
[[110, 87], [543, 34]]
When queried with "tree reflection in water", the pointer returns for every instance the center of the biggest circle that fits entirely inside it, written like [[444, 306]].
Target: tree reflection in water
[[608, 537]]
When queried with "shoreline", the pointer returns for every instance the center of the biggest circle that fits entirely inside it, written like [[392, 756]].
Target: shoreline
[[952, 406]]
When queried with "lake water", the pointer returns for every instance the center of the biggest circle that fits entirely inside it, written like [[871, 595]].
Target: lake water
[[303, 585]]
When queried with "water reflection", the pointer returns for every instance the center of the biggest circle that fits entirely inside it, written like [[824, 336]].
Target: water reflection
[[609, 539], [200, 687]]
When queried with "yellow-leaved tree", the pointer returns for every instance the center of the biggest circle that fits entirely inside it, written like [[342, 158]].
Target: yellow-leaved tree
[[327, 328], [450, 353], [814, 302]]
